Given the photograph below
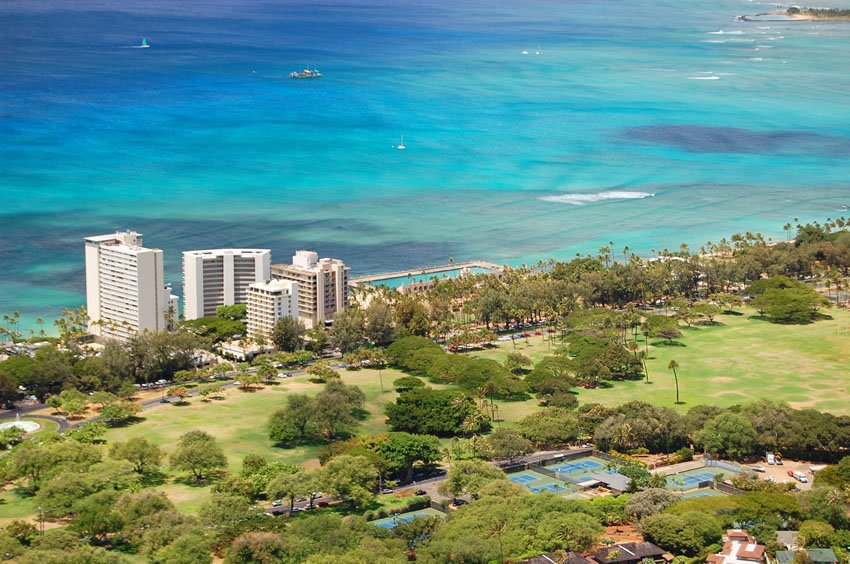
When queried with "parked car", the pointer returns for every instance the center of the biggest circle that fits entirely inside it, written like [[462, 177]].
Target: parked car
[[277, 503], [387, 491], [322, 504], [277, 512], [757, 468], [770, 458], [420, 492], [800, 477], [538, 332], [790, 473]]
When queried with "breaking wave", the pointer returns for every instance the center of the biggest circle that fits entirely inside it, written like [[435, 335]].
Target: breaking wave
[[582, 199]]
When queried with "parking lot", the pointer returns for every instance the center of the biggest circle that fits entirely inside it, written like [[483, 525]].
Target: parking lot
[[779, 472]]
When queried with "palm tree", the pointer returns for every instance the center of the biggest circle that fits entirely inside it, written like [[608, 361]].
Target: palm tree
[[673, 365], [497, 528]]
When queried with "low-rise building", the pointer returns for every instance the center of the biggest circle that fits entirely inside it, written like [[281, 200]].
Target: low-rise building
[[629, 553], [268, 302], [816, 556], [739, 547]]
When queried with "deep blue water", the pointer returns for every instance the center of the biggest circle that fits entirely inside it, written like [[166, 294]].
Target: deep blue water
[[638, 124]]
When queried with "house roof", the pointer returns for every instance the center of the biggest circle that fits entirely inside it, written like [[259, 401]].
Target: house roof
[[553, 558], [627, 552], [613, 480], [788, 539], [818, 555]]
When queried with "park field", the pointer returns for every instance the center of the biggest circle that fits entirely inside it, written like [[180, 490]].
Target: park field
[[739, 359]]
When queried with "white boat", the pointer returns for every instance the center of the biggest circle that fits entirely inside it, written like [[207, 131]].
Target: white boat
[[539, 51], [524, 52], [401, 146]]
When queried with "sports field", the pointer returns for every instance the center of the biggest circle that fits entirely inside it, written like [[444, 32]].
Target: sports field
[[742, 358], [691, 479], [391, 522], [536, 482], [578, 470]]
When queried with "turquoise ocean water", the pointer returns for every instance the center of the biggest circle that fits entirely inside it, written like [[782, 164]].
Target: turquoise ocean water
[[639, 123]]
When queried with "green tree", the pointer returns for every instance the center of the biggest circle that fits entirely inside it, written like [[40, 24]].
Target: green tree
[[197, 452], [288, 334], [728, 434], [294, 423], [143, 454], [469, 476], [549, 428], [235, 312], [571, 532], [435, 412], [189, 548], [379, 322], [516, 362], [508, 444], [649, 502], [257, 548], [119, 412], [673, 365], [290, 486], [348, 332], [815, 534], [351, 478]]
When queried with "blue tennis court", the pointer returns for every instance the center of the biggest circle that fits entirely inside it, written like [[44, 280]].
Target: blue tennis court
[[390, 522], [691, 479], [552, 488], [523, 478], [577, 467]]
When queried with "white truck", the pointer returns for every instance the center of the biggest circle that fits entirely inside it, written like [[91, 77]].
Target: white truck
[[800, 477]]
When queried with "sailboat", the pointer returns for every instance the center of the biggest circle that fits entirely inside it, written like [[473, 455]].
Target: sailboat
[[144, 44], [401, 146], [539, 51]]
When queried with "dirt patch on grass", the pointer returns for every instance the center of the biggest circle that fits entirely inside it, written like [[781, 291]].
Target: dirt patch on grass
[[722, 379], [803, 404], [623, 533]]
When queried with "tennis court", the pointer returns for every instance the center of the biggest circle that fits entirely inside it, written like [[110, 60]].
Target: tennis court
[[390, 522], [578, 470], [536, 482], [703, 493], [692, 479]]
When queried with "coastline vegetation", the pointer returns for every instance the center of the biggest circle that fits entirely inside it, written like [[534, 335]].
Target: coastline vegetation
[[714, 340]]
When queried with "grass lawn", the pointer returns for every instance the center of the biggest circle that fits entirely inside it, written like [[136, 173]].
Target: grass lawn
[[15, 505], [239, 425], [741, 359]]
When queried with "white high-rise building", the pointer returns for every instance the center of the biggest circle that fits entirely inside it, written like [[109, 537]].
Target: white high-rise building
[[126, 292], [322, 286], [216, 277], [268, 302]]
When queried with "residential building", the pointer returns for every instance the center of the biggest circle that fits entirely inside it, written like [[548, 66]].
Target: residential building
[[629, 553], [268, 302], [322, 286], [126, 292], [739, 547], [217, 277], [557, 558]]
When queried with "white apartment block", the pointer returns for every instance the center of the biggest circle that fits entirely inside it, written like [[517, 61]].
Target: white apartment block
[[216, 277], [126, 292], [322, 286], [268, 302]]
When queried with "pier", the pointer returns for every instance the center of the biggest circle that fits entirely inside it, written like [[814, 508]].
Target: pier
[[425, 271]]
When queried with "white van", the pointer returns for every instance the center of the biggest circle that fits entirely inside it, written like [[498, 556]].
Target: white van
[[800, 476]]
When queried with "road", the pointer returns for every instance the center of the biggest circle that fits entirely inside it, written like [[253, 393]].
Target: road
[[64, 424]]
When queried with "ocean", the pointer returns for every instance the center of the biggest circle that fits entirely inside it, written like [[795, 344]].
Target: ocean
[[638, 123]]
